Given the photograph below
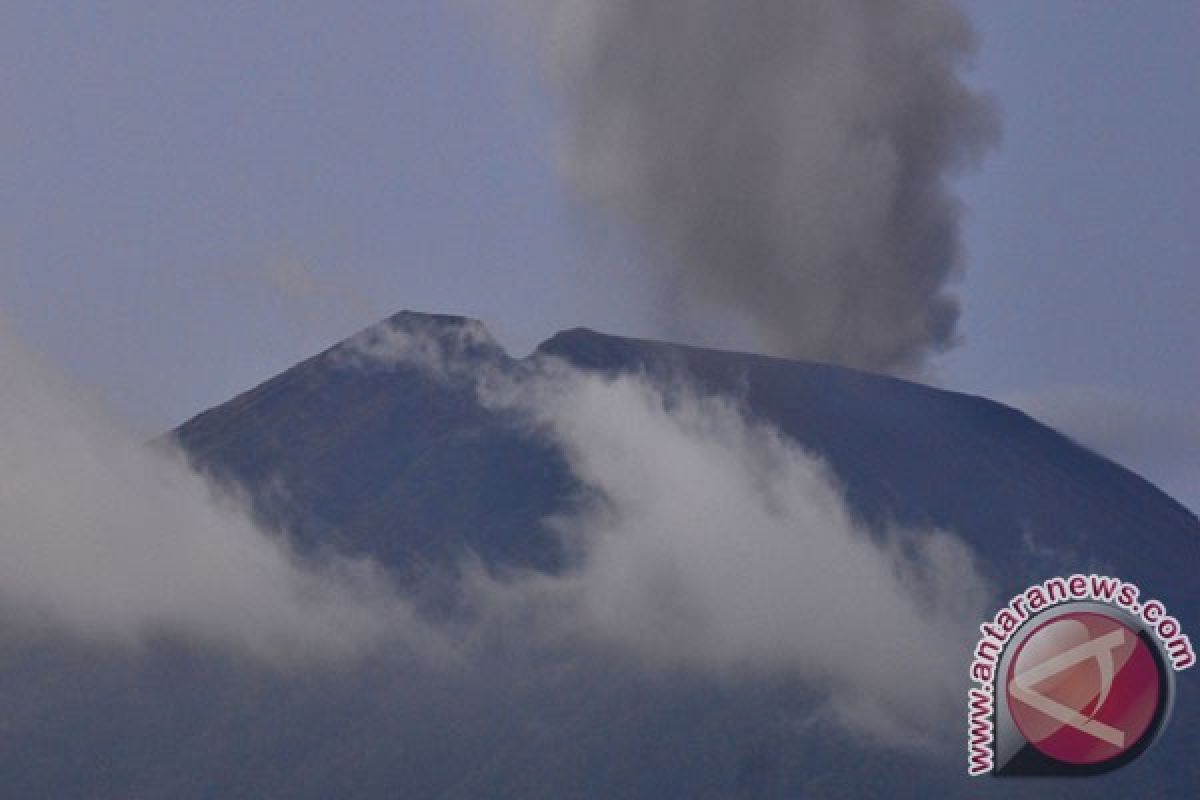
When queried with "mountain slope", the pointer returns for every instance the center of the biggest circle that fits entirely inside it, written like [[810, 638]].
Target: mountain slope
[[401, 465], [397, 458], [408, 467]]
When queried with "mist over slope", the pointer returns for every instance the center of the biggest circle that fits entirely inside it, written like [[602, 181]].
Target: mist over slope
[[385, 454], [660, 571]]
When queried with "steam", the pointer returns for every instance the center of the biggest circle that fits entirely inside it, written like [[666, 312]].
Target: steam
[[788, 159]]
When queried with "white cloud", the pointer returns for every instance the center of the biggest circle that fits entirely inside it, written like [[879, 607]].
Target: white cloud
[[715, 543], [709, 542], [104, 538]]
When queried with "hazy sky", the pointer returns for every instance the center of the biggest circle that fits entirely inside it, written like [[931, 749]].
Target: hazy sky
[[193, 198]]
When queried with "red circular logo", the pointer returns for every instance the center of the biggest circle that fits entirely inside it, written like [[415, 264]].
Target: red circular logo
[[1083, 688]]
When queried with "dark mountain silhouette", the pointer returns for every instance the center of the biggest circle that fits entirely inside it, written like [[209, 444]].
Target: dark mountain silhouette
[[407, 467], [392, 462]]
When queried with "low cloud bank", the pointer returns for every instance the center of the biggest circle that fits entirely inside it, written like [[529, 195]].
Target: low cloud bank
[[706, 541]]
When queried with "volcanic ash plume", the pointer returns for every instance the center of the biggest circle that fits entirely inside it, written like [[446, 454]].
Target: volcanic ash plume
[[786, 160]]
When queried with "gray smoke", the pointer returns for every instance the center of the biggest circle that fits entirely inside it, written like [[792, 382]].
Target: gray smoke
[[788, 160]]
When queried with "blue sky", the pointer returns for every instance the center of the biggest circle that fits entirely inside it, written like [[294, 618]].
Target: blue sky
[[194, 197]]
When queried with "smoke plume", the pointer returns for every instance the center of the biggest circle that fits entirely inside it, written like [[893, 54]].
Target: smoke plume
[[785, 160]]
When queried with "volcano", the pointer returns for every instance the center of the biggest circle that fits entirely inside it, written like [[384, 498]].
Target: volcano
[[389, 459]]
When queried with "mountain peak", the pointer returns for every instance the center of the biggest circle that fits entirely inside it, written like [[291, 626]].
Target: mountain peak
[[408, 319], [428, 341]]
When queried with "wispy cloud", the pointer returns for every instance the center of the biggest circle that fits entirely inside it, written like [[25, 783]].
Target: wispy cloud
[[441, 350]]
